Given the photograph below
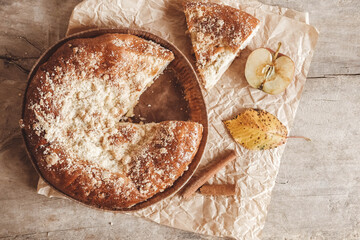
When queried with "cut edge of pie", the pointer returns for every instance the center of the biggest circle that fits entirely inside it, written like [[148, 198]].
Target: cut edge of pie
[[73, 105], [218, 33]]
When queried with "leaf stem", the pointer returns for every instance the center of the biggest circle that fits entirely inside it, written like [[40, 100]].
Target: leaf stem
[[307, 139]]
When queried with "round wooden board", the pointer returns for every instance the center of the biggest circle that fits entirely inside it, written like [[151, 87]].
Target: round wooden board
[[178, 97]]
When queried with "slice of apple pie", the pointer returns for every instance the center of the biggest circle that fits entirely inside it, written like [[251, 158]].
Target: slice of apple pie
[[218, 33]]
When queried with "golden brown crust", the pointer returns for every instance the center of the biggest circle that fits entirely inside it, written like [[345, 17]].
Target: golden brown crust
[[171, 153], [155, 162], [149, 173], [214, 29], [234, 26]]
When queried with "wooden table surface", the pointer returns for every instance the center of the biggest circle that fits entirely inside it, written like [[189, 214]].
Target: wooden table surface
[[318, 187]]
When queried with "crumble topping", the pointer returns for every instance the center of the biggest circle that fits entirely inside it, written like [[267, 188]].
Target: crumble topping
[[89, 104], [82, 93], [218, 33]]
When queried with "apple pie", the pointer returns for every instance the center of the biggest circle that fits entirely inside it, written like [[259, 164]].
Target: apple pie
[[218, 33], [71, 122]]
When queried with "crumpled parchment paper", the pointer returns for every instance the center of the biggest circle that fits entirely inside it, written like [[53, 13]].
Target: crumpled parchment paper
[[254, 172]]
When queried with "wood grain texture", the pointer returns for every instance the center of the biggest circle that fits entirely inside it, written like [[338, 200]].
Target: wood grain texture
[[318, 186], [338, 48]]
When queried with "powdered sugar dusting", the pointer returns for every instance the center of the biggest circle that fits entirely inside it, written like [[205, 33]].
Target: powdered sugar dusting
[[217, 32], [90, 103], [82, 94]]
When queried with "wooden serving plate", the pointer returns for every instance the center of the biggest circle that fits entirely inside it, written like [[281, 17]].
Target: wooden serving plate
[[175, 95]]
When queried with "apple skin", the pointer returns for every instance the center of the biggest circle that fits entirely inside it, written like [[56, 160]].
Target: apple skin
[[277, 79]]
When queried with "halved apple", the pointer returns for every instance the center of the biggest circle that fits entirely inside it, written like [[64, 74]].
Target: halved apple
[[268, 72]]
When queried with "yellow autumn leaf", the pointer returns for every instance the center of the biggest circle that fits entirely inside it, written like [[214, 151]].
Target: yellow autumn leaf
[[257, 129]]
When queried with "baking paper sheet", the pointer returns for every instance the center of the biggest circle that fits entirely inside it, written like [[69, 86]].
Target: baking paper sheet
[[254, 172]]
